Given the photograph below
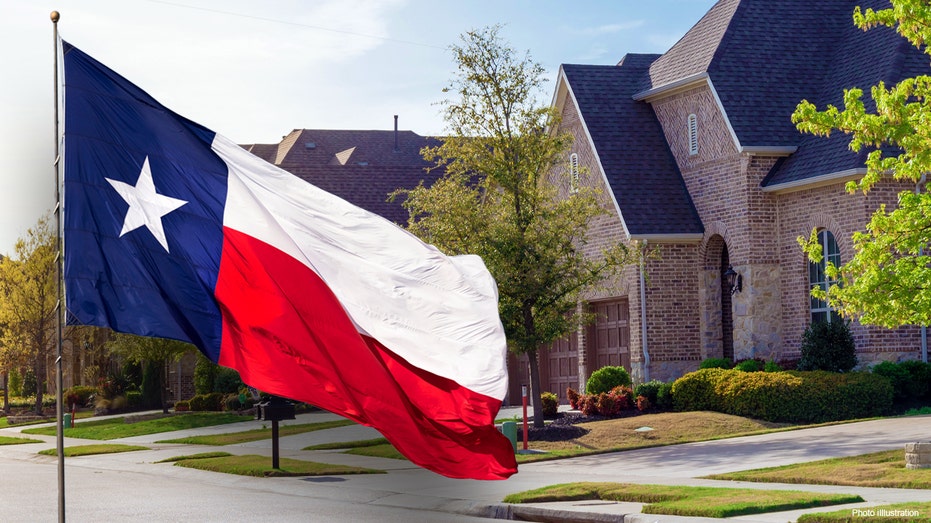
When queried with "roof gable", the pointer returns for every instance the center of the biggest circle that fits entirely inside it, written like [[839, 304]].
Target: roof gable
[[635, 158]]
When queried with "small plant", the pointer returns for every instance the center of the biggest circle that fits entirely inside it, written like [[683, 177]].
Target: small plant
[[606, 378], [550, 404], [573, 398], [716, 363], [772, 366], [828, 346], [750, 366], [78, 396], [643, 403], [664, 396], [648, 390], [182, 406]]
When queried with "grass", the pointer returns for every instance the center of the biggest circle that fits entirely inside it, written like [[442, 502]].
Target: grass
[[7, 440], [377, 447], [686, 501], [261, 466], [258, 434], [114, 428], [879, 469], [348, 444], [89, 450], [915, 512], [201, 455], [669, 428]]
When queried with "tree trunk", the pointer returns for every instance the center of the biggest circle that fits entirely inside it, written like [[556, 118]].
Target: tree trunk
[[39, 370], [6, 391], [163, 386], [535, 401]]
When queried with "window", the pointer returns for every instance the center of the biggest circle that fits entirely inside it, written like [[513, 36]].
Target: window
[[573, 173], [693, 135], [821, 310]]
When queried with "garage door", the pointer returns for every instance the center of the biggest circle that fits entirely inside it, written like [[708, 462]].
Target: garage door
[[610, 336]]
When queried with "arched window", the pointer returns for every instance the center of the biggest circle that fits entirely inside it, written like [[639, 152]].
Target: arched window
[[693, 135], [818, 278], [573, 173]]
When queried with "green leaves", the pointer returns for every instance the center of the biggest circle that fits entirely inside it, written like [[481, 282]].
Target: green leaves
[[888, 281]]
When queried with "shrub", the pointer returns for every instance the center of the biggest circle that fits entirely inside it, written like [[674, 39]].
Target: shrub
[[771, 366], [750, 366], [182, 406], [792, 396], [715, 363], [203, 402], [152, 385], [643, 403], [909, 379], [15, 383], [550, 404], [828, 346], [573, 397], [226, 381], [696, 390], [205, 373], [664, 396], [588, 404], [919, 384], [606, 378], [78, 396], [135, 400], [232, 402], [648, 390]]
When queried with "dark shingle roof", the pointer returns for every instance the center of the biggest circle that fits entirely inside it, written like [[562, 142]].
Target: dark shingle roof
[[640, 168], [362, 167]]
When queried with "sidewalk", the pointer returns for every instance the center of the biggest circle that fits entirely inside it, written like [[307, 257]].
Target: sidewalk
[[408, 486]]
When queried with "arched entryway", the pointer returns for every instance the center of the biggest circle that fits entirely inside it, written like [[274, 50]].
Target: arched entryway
[[717, 329]]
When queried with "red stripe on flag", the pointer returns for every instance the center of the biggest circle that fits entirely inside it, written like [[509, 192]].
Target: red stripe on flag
[[287, 334]]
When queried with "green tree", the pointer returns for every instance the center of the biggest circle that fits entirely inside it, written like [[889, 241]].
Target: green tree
[[888, 281], [150, 351], [28, 300], [500, 197]]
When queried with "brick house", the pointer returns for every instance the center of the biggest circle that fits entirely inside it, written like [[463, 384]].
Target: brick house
[[698, 161]]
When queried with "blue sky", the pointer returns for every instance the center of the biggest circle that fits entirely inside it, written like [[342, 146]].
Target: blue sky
[[253, 71]]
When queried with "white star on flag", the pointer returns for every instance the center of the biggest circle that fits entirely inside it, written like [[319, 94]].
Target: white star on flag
[[146, 207]]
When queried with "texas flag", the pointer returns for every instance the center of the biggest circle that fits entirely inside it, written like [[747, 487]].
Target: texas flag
[[173, 231]]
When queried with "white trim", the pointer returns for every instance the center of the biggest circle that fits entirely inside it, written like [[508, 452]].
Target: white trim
[[672, 87], [727, 120], [816, 181], [563, 81]]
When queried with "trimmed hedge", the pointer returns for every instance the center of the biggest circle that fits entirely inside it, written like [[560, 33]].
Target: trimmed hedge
[[606, 378], [792, 396]]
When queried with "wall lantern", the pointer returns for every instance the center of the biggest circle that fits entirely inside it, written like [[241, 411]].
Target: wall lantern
[[733, 280]]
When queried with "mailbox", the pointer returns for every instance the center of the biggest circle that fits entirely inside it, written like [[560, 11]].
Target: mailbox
[[275, 409]]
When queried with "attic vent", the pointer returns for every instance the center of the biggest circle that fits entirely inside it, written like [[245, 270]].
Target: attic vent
[[573, 173], [693, 135], [310, 145]]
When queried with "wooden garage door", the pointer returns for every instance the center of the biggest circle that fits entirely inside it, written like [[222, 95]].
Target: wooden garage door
[[611, 334], [562, 359]]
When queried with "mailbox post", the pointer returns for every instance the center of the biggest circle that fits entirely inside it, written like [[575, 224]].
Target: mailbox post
[[274, 410]]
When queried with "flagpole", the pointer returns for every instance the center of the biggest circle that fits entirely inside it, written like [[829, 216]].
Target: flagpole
[[59, 410]]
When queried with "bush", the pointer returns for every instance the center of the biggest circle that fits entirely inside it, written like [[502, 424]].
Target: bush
[[606, 378], [648, 390], [550, 404], [204, 402], [696, 390], [909, 379], [607, 404], [152, 385], [78, 396], [135, 400], [205, 373], [15, 383], [643, 403], [664, 396], [715, 363], [750, 366], [792, 396], [573, 397], [771, 366], [182, 406], [828, 346], [226, 381]]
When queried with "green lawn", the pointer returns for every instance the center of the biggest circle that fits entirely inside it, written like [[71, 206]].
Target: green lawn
[[114, 428], [686, 501], [8, 440], [261, 466], [233, 438], [879, 469], [89, 450]]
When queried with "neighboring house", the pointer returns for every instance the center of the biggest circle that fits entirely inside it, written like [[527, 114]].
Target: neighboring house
[[699, 162], [362, 167]]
